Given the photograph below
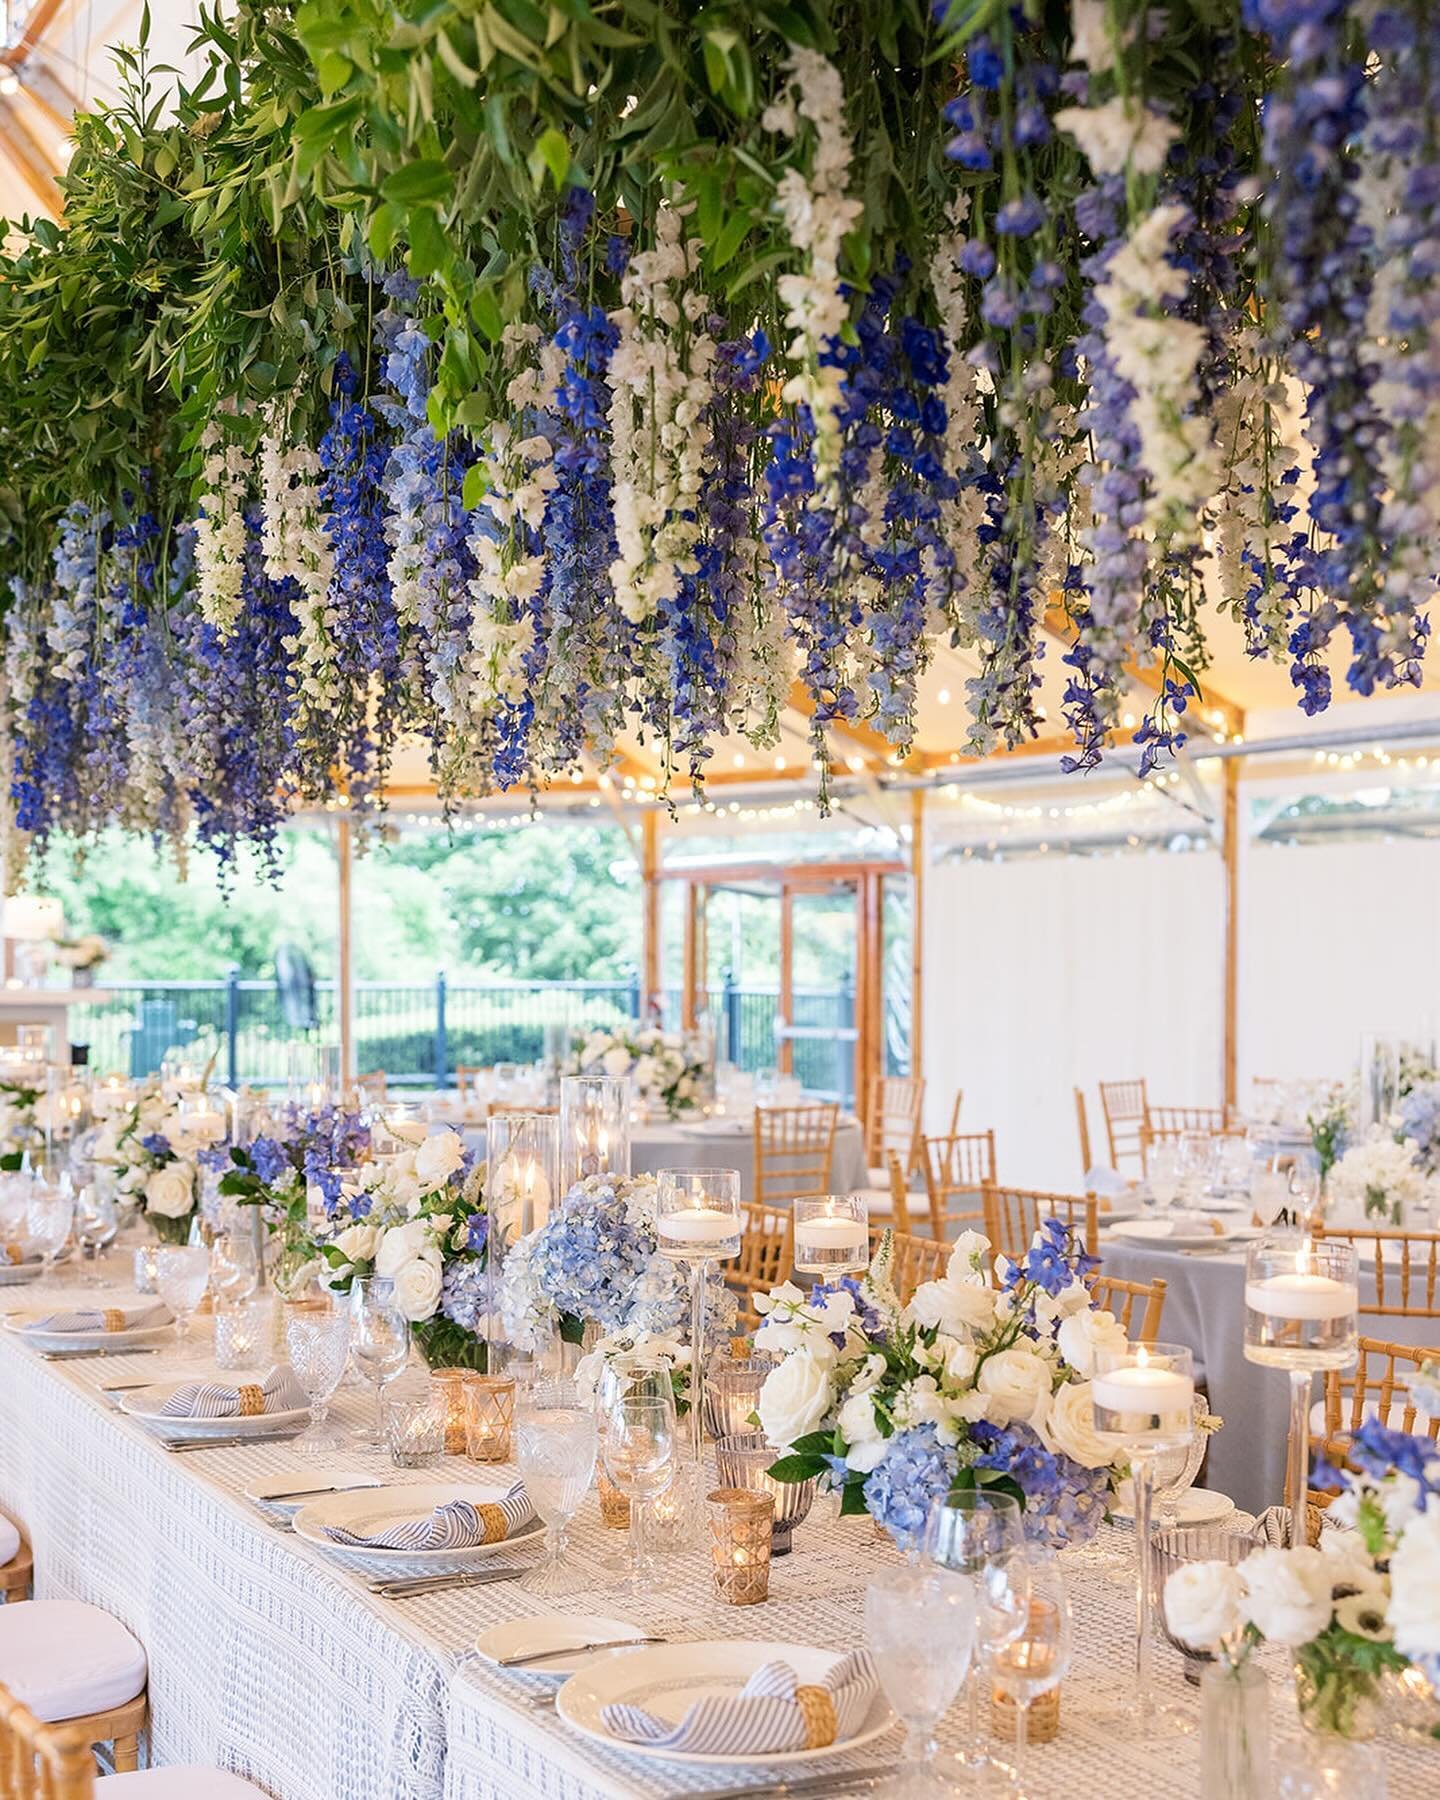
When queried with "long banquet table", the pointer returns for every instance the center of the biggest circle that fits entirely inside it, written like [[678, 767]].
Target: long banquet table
[[270, 1660]]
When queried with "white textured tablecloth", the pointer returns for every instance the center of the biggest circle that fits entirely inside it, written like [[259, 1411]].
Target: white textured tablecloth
[[268, 1659]]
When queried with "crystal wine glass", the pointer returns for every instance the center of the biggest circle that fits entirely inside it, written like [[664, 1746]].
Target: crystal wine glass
[[49, 1213], [1163, 1171], [96, 1225], [182, 1273], [638, 1372], [1036, 1661], [981, 1534], [555, 1448], [920, 1626], [319, 1345], [379, 1343], [639, 1451], [234, 1267]]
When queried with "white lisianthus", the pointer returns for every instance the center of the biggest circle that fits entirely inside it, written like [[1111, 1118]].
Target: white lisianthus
[[795, 1398], [1203, 1603], [358, 1243], [1017, 1385], [970, 1260], [400, 1244], [1069, 1427], [1083, 1334], [170, 1191], [1070, 1300], [1288, 1594], [438, 1158], [416, 1285], [957, 1307], [1414, 1612], [864, 1444]]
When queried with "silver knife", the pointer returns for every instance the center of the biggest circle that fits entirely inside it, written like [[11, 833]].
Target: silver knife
[[537, 1656], [838, 1781], [307, 1493], [82, 1355], [436, 1584], [180, 1446]]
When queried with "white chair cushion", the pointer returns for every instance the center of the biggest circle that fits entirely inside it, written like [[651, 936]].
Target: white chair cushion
[[9, 1539], [189, 1783], [65, 1659]]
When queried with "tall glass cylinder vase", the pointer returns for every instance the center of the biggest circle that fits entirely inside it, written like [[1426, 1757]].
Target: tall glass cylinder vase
[[522, 1183], [698, 1223], [594, 1127], [1235, 1732]]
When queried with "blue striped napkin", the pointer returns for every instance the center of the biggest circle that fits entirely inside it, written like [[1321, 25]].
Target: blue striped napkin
[[457, 1525], [134, 1317], [278, 1392], [774, 1711]]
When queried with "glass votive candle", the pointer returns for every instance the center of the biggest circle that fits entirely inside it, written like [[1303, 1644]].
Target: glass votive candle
[[732, 1393], [489, 1402], [145, 1268], [614, 1506], [697, 1214], [1028, 1662], [832, 1235], [449, 1387], [415, 1429], [244, 1332], [740, 1530], [744, 1461]]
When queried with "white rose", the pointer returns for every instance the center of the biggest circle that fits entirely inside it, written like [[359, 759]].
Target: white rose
[[1288, 1594], [438, 1158], [957, 1307], [1414, 1615], [1082, 1334], [1017, 1384], [616, 1061], [1203, 1603], [400, 1244], [1070, 1427], [794, 1399], [170, 1192], [358, 1243], [1070, 1300], [417, 1285], [865, 1448]]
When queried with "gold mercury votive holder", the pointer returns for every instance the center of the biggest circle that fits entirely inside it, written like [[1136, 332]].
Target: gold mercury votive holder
[[744, 1461], [449, 1389], [740, 1530], [489, 1402]]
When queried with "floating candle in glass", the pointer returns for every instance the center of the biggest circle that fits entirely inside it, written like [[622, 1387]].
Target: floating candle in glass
[[832, 1235]]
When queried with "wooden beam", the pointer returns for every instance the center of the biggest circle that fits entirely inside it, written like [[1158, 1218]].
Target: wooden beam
[[39, 179], [917, 927], [1230, 718], [650, 908], [37, 23], [1231, 847]]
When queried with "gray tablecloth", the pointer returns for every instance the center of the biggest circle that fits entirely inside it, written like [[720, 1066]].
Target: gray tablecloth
[[1205, 1308], [656, 1147]]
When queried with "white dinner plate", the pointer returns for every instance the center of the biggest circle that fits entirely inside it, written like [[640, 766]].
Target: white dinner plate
[[315, 1479], [719, 1128], [565, 1631], [667, 1678], [1196, 1506], [83, 1340], [1183, 1234], [371, 1512], [13, 1274], [145, 1408]]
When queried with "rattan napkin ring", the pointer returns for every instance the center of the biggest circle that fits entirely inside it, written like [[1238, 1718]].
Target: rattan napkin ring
[[15, 1253], [252, 1400], [114, 1319], [494, 1522], [818, 1710]]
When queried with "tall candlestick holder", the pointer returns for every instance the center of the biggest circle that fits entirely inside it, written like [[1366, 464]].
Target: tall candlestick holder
[[698, 1223], [594, 1127], [1301, 1302]]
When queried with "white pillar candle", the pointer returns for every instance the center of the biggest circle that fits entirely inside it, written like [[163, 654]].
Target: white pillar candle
[[698, 1225], [829, 1233], [1143, 1388], [1301, 1296]]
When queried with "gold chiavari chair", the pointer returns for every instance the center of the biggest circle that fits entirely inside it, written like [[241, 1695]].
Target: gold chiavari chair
[[1122, 1298], [465, 1075], [794, 1146], [1082, 1120], [957, 1167], [767, 1255], [1377, 1387], [1014, 1215], [1163, 1122], [1123, 1104], [917, 1260], [373, 1087], [893, 1123], [1406, 1279], [514, 1106]]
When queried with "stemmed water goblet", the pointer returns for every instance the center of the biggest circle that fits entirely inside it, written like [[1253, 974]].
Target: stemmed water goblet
[[981, 1534], [638, 1445], [1162, 1167], [318, 1343], [96, 1225], [555, 1442], [920, 1627], [1035, 1662], [234, 1267], [1197, 1163], [379, 1343], [49, 1214], [182, 1274]]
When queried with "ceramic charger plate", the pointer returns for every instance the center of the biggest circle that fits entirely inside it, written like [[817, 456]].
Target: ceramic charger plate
[[145, 1408], [372, 1511], [84, 1340], [667, 1678]]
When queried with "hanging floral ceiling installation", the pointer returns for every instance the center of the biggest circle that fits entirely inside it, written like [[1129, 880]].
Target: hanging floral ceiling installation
[[520, 373]]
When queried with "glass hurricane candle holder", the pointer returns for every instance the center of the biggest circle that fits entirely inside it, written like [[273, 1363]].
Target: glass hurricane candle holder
[[744, 1461], [594, 1127], [1144, 1400], [415, 1428], [740, 1534], [489, 1402], [244, 1332], [449, 1389], [1301, 1301], [698, 1222], [732, 1393], [522, 1184], [832, 1235]]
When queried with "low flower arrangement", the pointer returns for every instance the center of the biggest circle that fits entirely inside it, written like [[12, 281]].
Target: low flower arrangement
[[1364, 1604], [665, 1067], [596, 1261], [81, 953], [664, 1345], [1381, 1179], [152, 1160], [274, 1170], [982, 1380], [21, 1123]]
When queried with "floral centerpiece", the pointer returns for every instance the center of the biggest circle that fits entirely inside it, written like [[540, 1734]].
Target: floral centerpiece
[[596, 1261], [1380, 1179], [152, 1160], [298, 1146], [81, 955], [665, 1068], [21, 1127], [666, 1346], [418, 1218], [977, 1381], [1364, 1603]]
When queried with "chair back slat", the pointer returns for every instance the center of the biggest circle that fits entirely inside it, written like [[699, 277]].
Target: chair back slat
[[1014, 1215], [1123, 1104], [1407, 1269], [1174, 1121], [957, 1168], [767, 1256], [893, 1122], [955, 1111], [1123, 1298], [39, 1761], [1377, 1387], [918, 1260], [373, 1086], [794, 1149], [899, 1196]]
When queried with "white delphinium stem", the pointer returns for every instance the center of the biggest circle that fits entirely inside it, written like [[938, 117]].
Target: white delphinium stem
[[954, 593], [818, 214], [296, 547], [220, 530], [519, 474], [1250, 528]]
